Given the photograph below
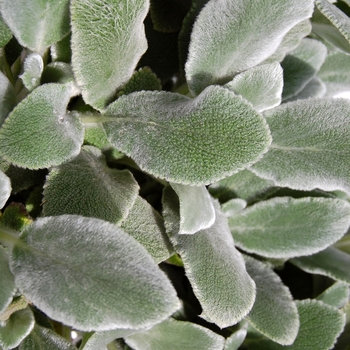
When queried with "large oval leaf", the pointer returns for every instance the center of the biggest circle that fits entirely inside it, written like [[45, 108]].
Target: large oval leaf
[[39, 133], [284, 227], [108, 39], [214, 267], [310, 147], [189, 141], [37, 24], [91, 275], [232, 36]]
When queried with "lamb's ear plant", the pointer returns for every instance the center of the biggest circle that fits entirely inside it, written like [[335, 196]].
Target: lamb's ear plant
[[174, 174]]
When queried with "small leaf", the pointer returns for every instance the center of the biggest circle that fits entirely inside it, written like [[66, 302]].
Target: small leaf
[[42, 132], [87, 186], [274, 313], [33, 67], [284, 227], [301, 65], [58, 72], [61, 50], [176, 335], [233, 206], [262, 85], [37, 24], [91, 275], [7, 281], [235, 340], [215, 269], [310, 147], [147, 227], [43, 338], [330, 262], [196, 208], [5, 189], [336, 295], [188, 141], [7, 97], [232, 36], [16, 328], [108, 40]]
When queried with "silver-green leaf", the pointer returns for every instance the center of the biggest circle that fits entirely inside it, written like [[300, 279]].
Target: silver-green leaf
[[232, 36], [284, 227], [235, 340], [188, 141], [336, 295], [37, 24], [7, 97], [274, 313], [39, 133], [176, 335], [108, 39], [233, 206], [5, 189], [7, 281], [214, 267], [310, 147], [91, 275], [262, 85], [33, 67]]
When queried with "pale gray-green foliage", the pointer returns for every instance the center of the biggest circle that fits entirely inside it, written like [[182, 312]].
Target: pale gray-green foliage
[[45, 339], [245, 184], [111, 34], [87, 186], [90, 274], [33, 67], [7, 281], [176, 335], [301, 65], [58, 72], [334, 26], [196, 208], [314, 88], [274, 312], [284, 227], [5, 189], [320, 326], [5, 33], [233, 206], [37, 24], [44, 134], [61, 51], [291, 40], [147, 226], [189, 141], [310, 147], [234, 341], [214, 267], [330, 262], [7, 97], [335, 73], [336, 295], [16, 328], [225, 39], [262, 85]]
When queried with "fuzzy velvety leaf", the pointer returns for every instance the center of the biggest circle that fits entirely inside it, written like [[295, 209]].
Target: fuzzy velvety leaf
[[235, 340], [5, 189], [176, 335], [44, 339], [232, 36], [57, 72], [7, 282], [233, 206], [196, 208], [147, 226], [87, 186], [16, 328], [33, 67], [37, 24], [284, 227], [314, 88], [301, 65], [261, 86], [39, 133], [5, 33], [336, 295], [108, 40], [320, 326], [91, 275], [7, 97], [189, 141], [215, 269], [61, 51], [274, 312], [310, 147], [330, 262]]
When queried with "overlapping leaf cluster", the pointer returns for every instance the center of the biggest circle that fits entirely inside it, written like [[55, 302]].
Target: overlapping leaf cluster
[[174, 175]]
